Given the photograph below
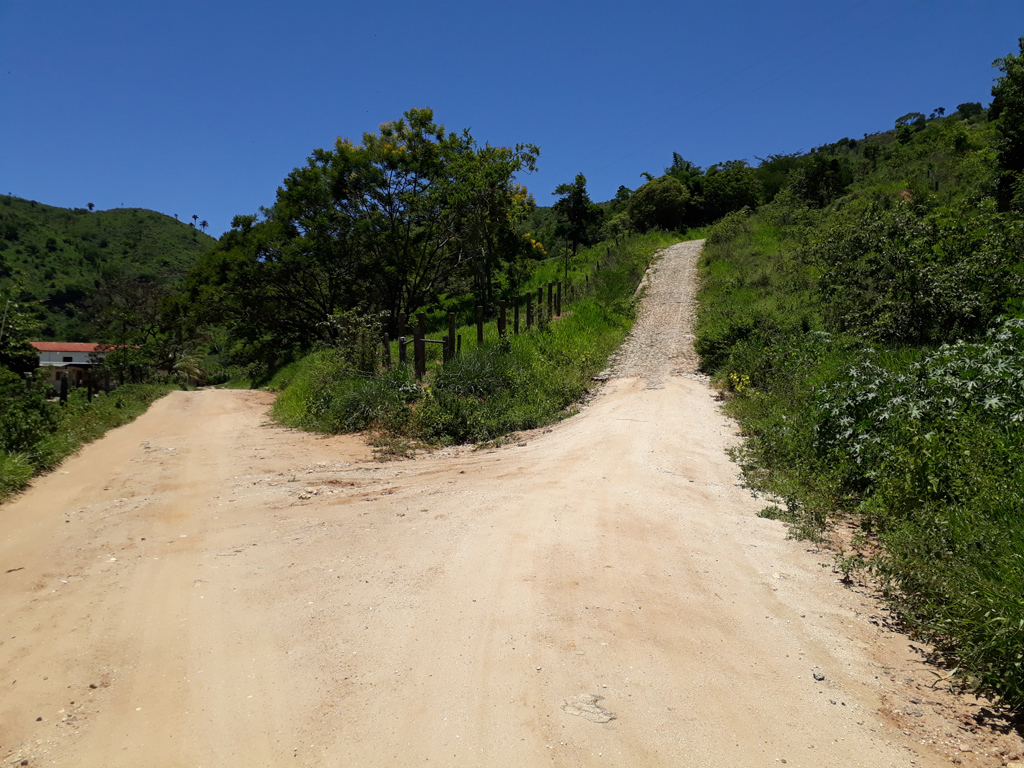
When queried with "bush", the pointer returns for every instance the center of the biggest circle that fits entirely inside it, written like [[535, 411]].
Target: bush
[[325, 394]]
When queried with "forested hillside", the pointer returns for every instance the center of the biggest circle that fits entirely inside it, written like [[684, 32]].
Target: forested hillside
[[867, 321], [65, 260]]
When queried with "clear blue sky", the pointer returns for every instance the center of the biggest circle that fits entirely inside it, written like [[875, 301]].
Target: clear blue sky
[[192, 107]]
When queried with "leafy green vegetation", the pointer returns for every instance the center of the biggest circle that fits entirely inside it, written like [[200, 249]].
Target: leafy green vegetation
[[867, 322], [515, 383], [392, 225], [64, 260]]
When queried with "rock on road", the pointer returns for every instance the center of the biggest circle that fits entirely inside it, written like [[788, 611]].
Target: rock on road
[[203, 588]]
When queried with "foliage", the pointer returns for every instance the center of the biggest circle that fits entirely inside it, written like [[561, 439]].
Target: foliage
[[58, 257], [578, 217], [389, 225], [16, 326], [1008, 112], [891, 273], [660, 204]]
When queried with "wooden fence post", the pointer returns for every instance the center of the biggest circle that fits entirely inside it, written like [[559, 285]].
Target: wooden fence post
[[479, 324], [446, 354], [417, 346], [402, 331], [63, 389], [421, 328], [515, 316], [558, 299], [403, 355], [501, 319], [551, 299], [387, 351], [458, 345], [451, 334]]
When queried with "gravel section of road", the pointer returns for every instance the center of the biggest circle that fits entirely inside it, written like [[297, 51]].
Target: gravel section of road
[[661, 343]]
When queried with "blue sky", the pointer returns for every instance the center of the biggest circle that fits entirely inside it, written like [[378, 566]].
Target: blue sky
[[203, 107]]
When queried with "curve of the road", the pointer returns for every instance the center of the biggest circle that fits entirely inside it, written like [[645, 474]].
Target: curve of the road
[[203, 588]]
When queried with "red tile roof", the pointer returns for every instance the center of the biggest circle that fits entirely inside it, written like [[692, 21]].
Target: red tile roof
[[68, 346]]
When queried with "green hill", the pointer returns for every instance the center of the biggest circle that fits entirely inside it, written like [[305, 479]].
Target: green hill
[[60, 257]]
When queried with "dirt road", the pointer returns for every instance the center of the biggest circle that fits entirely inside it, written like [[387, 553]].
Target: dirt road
[[202, 588]]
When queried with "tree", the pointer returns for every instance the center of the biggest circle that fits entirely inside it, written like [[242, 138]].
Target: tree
[[16, 323], [819, 179], [729, 186], [662, 203], [1007, 111], [911, 119], [380, 227], [488, 207], [969, 109], [195, 218], [686, 172], [578, 217], [204, 224]]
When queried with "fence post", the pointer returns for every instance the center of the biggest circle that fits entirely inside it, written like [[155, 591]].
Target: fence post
[[551, 300], [402, 331], [387, 351], [558, 299], [458, 345], [417, 346], [421, 327], [446, 354], [515, 316], [403, 356], [501, 319], [479, 324], [451, 334], [63, 389]]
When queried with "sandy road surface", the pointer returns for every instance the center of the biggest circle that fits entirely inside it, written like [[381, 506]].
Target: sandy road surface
[[201, 588]]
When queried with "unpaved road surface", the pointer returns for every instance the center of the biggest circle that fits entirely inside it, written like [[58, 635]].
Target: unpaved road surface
[[202, 588]]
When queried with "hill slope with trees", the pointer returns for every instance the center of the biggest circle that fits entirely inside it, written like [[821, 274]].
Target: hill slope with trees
[[63, 259]]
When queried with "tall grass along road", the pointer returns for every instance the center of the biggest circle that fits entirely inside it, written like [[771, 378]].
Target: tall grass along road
[[202, 587]]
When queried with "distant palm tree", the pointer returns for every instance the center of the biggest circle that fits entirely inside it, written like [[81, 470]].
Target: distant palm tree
[[195, 218], [204, 224]]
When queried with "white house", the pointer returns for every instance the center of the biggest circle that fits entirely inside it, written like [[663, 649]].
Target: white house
[[75, 358]]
